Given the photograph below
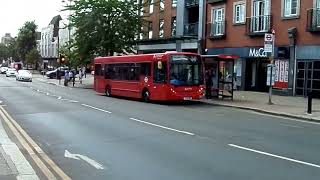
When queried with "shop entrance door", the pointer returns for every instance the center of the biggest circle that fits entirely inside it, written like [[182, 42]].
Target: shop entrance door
[[256, 75], [308, 78]]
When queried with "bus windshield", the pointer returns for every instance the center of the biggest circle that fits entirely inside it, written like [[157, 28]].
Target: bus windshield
[[185, 70]]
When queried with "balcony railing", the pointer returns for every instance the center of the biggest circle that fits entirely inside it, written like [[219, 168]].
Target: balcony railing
[[313, 20], [258, 25], [217, 29], [191, 29], [191, 3]]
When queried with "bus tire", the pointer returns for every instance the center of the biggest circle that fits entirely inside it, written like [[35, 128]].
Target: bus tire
[[146, 96], [108, 91]]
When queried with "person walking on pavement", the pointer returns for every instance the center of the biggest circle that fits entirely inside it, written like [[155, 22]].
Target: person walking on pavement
[[70, 75], [66, 78]]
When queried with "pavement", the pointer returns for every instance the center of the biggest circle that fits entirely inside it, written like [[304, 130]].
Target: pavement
[[87, 82], [89, 136]]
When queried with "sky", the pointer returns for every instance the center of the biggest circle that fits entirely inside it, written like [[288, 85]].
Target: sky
[[13, 13]]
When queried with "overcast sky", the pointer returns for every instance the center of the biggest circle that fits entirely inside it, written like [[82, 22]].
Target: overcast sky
[[13, 13]]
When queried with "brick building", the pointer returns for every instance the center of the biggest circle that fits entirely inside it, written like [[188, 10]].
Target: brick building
[[171, 25], [237, 27]]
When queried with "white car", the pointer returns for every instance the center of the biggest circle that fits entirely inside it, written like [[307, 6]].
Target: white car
[[24, 75], [3, 70], [11, 72]]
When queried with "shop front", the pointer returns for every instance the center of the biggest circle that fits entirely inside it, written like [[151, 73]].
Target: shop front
[[250, 69], [308, 71]]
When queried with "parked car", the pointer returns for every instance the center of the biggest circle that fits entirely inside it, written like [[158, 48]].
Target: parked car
[[11, 72], [3, 70], [24, 75], [53, 74]]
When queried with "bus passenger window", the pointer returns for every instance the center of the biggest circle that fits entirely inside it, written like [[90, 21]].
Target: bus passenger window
[[98, 70], [160, 72], [145, 69]]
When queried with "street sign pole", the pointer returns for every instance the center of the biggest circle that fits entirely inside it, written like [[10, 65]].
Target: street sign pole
[[271, 67]]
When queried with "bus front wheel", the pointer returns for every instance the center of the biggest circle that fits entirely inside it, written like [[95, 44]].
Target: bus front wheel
[[146, 96], [108, 91]]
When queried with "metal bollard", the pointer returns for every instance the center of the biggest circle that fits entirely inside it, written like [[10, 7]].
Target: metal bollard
[[309, 103]]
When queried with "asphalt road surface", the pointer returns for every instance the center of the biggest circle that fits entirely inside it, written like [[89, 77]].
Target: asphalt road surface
[[90, 136]]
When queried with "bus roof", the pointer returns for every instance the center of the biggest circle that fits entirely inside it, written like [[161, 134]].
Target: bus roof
[[138, 58]]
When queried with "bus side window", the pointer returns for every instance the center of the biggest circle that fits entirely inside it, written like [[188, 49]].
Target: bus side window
[[106, 71], [98, 70], [145, 69], [160, 73]]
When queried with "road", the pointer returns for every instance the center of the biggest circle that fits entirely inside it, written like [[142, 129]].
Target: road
[[117, 139]]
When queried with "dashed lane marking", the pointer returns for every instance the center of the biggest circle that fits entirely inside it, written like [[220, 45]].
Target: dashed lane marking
[[163, 127], [92, 107], [275, 156]]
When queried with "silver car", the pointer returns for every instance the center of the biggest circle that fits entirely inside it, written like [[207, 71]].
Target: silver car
[[24, 75], [11, 72]]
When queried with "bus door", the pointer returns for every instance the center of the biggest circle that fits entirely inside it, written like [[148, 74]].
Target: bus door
[[160, 79], [98, 78]]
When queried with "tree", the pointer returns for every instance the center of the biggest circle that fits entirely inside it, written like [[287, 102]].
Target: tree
[[33, 57], [104, 27], [13, 50], [26, 39], [4, 52]]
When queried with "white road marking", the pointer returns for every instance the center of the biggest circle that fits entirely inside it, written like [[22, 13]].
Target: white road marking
[[163, 127], [59, 97], [90, 161], [69, 100], [289, 125], [47, 94], [275, 156], [96, 108], [0, 102]]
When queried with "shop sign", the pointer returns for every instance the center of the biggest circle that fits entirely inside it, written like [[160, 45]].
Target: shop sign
[[257, 53]]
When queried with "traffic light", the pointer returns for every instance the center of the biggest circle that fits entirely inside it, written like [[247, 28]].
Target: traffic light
[[62, 58]]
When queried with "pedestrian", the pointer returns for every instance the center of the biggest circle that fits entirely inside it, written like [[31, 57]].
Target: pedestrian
[[84, 72], [74, 73], [66, 78], [70, 75], [80, 75], [208, 84]]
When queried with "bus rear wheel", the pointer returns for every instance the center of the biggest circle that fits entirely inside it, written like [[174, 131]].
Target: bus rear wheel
[[146, 96], [108, 91]]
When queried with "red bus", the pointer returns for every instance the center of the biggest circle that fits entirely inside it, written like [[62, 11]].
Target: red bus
[[170, 76]]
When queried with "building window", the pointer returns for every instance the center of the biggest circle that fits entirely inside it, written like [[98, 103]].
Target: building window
[[161, 28], [218, 21], [150, 6], [150, 31], [291, 8], [161, 5], [174, 3], [173, 26], [239, 13]]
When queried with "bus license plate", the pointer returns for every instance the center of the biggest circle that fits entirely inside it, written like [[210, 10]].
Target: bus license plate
[[187, 98]]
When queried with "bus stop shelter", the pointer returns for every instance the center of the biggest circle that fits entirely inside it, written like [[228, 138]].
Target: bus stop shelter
[[220, 74]]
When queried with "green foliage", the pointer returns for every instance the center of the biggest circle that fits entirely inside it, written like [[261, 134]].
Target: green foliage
[[4, 52], [33, 57], [103, 27], [26, 38]]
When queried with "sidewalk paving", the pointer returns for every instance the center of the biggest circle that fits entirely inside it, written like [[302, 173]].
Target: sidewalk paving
[[288, 106], [87, 83]]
